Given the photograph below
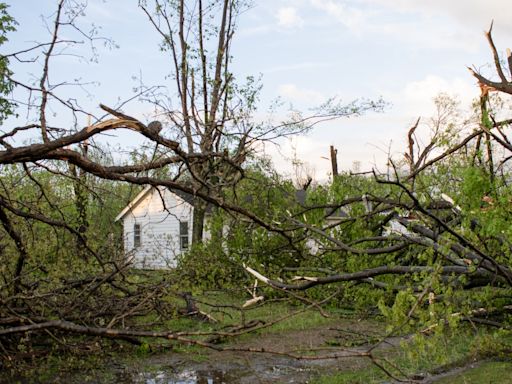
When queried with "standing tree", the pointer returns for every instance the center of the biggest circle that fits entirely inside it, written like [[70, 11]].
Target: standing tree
[[215, 111], [212, 131]]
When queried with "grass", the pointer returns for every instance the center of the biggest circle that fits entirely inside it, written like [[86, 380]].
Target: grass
[[490, 372], [231, 317], [228, 315], [443, 355], [58, 368], [422, 356], [371, 375], [437, 356]]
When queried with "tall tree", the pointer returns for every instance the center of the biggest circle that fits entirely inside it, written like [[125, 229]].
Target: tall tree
[[206, 139], [215, 113]]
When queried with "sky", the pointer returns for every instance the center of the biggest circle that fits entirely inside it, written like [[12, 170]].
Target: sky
[[406, 51]]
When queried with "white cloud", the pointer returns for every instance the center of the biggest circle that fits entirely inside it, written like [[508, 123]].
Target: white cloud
[[287, 17], [465, 11], [350, 17], [293, 93], [434, 24], [300, 156], [415, 98], [474, 15]]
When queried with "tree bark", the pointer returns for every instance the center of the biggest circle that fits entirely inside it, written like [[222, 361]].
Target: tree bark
[[198, 221], [23, 255], [334, 161]]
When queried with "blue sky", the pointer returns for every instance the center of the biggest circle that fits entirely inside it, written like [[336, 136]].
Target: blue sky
[[406, 51]]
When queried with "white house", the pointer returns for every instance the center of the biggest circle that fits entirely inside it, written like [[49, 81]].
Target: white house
[[157, 227]]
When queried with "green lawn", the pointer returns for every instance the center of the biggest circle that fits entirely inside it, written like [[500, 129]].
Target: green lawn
[[462, 347], [491, 372]]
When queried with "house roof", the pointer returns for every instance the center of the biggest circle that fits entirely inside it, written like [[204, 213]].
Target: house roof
[[184, 195], [187, 197], [133, 203]]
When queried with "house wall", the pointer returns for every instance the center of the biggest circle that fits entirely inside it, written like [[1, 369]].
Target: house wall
[[159, 216]]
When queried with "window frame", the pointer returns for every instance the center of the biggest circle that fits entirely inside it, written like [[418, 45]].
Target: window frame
[[137, 235], [183, 235]]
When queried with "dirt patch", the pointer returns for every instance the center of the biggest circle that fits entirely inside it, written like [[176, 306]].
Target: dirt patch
[[206, 366], [235, 367]]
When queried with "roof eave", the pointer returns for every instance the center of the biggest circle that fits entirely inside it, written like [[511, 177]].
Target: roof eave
[[133, 203]]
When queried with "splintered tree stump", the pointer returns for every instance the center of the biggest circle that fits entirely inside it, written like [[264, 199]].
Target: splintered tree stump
[[191, 309]]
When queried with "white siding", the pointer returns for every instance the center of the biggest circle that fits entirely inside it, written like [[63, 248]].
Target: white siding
[[158, 215]]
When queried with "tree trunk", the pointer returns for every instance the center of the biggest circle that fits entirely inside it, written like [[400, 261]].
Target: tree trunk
[[198, 221], [23, 255], [487, 123], [334, 161], [81, 205]]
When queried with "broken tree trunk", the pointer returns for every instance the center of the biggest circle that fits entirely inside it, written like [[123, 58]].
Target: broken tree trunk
[[334, 161]]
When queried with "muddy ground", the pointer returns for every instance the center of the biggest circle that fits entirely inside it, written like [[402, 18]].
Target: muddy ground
[[205, 366], [229, 367]]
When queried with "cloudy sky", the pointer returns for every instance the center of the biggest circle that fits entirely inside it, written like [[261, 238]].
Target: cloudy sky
[[406, 51]]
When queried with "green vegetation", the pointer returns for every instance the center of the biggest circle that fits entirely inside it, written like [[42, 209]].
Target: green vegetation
[[56, 366], [489, 372], [422, 250], [7, 25], [423, 357]]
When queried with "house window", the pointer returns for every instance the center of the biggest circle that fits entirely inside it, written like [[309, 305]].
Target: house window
[[183, 235], [136, 235]]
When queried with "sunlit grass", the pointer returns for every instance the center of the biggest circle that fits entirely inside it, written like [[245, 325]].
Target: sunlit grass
[[457, 350], [491, 372]]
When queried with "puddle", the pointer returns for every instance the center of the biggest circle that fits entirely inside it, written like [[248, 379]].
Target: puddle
[[252, 371], [185, 377], [211, 367], [238, 368]]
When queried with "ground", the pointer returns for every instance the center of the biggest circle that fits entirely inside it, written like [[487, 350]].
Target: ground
[[305, 332]]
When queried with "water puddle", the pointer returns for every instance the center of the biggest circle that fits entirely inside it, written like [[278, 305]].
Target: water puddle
[[186, 377], [224, 373]]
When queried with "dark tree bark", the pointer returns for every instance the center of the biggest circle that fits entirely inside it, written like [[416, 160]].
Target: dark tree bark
[[198, 221], [334, 161]]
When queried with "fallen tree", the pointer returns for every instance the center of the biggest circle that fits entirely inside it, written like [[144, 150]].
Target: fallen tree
[[399, 245], [63, 269]]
